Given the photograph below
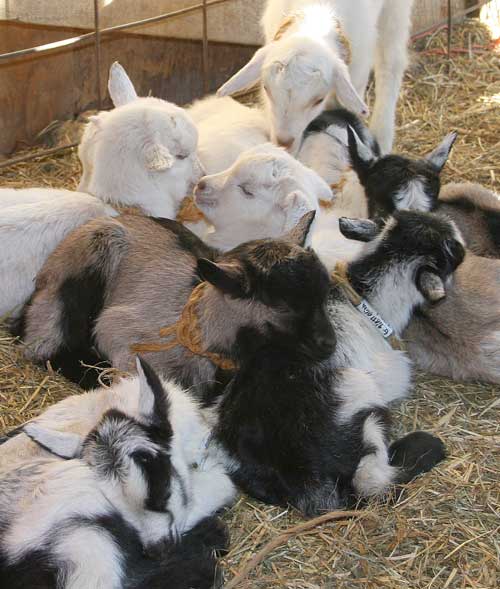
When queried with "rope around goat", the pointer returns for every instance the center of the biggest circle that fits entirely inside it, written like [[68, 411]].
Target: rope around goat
[[186, 333]]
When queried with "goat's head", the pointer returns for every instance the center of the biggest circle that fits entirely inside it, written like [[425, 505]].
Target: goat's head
[[426, 247], [298, 74], [265, 185], [144, 145], [277, 285], [393, 182], [132, 453]]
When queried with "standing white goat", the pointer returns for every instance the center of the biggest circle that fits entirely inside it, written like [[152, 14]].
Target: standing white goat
[[316, 51], [32, 222], [142, 153]]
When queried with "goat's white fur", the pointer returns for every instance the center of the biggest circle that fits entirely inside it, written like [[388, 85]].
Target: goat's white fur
[[226, 129], [142, 153], [32, 222], [202, 464], [308, 62], [263, 194]]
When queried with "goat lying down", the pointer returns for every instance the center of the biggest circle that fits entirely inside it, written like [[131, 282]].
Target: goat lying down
[[132, 276], [225, 127], [123, 500], [459, 336], [263, 194], [406, 183], [142, 153], [32, 222], [320, 50], [333, 408]]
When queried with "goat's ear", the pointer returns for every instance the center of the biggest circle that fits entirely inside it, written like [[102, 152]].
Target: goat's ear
[[157, 157], [225, 276], [248, 75], [298, 234], [358, 229], [120, 87], [295, 205], [153, 402], [439, 156], [345, 91], [62, 444], [431, 286], [360, 154]]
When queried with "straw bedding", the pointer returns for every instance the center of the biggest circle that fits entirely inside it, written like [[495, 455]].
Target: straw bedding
[[444, 531]]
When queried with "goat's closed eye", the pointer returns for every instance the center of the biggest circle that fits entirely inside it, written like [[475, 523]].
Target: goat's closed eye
[[317, 101], [181, 156], [246, 192]]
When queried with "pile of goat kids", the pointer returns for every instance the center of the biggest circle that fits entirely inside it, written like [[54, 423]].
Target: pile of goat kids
[[440, 532]]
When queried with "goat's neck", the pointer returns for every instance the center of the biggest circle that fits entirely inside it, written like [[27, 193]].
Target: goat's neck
[[220, 317], [235, 233], [390, 289], [316, 21]]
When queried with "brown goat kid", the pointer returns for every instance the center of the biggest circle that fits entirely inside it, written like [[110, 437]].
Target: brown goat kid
[[114, 283]]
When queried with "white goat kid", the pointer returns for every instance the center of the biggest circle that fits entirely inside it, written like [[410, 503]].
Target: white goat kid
[[316, 51], [263, 194], [226, 128], [32, 222], [142, 153]]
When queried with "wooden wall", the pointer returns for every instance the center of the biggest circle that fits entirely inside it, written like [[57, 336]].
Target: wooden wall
[[60, 84], [428, 12]]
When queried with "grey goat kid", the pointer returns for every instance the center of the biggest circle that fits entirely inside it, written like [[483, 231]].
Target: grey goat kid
[[114, 283], [332, 443], [111, 515]]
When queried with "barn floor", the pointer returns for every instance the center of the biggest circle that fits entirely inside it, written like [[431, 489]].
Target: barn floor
[[444, 531]]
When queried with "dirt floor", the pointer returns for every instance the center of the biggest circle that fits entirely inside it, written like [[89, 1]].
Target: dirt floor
[[444, 531]]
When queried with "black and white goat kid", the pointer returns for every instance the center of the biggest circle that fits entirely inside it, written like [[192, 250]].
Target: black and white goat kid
[[114, 516], [395, 182], [313, 431]]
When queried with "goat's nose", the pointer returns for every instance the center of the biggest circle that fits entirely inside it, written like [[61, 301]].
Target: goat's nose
[[286, 143]]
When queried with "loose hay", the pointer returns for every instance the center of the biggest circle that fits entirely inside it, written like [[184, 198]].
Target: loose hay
[[443, 532]]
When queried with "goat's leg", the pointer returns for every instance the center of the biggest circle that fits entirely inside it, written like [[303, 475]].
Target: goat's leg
[[90, 558], [390, 63]]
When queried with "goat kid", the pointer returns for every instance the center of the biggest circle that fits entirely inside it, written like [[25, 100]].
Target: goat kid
[[324, 149], [460, 336], [142, 153], [395, 182], [332, 442], [225, 127], [263, 194], [121, 505], [132, 275], [316, 51], [32, 222]]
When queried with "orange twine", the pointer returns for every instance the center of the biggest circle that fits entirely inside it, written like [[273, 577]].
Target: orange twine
[[189, 212], [186, 333]]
